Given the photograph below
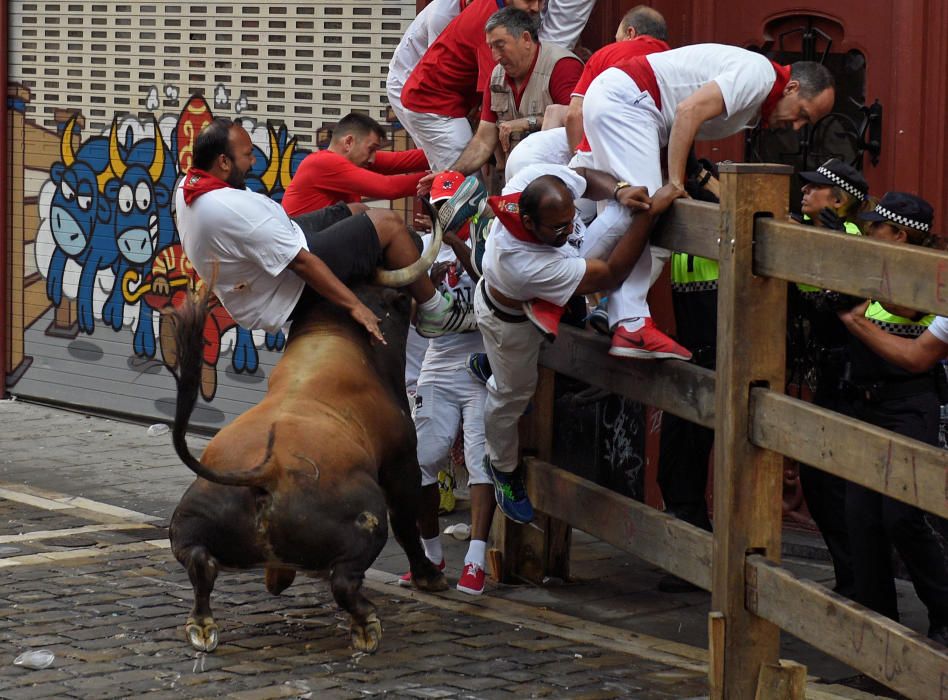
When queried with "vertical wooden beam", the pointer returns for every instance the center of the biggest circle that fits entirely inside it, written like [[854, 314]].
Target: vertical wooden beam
[[747, 482], [716, 655], [532, 552]]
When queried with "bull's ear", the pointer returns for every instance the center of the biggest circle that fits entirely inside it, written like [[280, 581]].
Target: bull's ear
[[103, 209], [162, 195], [56, 172]]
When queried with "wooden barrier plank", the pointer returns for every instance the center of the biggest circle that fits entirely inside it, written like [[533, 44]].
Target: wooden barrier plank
[[633, 527], [887, 462], [903, 274], [747, 481], [690, 226], [677, 387], [874, 644]]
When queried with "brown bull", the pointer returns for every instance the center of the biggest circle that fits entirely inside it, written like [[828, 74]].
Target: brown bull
[[301, 481]]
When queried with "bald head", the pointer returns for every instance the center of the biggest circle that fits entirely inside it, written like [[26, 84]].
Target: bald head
[[642, 20], [547, 210]]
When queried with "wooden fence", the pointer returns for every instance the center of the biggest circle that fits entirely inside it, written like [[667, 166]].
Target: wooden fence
[[756, 425]]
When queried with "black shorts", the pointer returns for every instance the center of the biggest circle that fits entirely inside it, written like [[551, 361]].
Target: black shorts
[[348, 245]]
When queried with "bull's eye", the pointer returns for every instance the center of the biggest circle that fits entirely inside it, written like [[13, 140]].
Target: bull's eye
[[142, 196], [67, 191], [125, 199], [84, 201]]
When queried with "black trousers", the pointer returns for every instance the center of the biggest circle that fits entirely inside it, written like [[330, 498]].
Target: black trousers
[[877, 522], [684, 447], [825, 496]]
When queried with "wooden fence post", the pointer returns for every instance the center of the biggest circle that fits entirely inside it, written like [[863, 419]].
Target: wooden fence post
[[532, 552], [747, 480]]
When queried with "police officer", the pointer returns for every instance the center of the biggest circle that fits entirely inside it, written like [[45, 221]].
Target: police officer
[[833, 194], [885, 395]]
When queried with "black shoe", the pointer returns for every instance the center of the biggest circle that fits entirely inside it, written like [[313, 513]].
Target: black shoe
[[669, 583]]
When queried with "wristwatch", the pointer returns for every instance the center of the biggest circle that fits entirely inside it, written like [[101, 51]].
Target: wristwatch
[[620, 185], [532, 123]]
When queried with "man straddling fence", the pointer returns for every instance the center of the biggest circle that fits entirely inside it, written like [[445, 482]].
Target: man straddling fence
[[528, 257], [706, 91]]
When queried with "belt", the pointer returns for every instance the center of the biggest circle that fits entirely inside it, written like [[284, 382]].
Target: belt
[[497, 311], [890, 390]]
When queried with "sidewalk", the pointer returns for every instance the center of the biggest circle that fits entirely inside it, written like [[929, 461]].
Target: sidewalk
[[85, 502]]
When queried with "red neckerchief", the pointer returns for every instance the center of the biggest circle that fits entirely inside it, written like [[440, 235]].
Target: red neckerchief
[[198, 182], [776, 92], [507, 209]]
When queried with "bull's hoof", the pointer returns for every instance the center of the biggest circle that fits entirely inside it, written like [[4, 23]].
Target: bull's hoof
[[203, 634], [366, 637], [433, 582]]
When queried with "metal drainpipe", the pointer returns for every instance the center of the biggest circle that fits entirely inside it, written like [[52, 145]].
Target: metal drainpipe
[[4, 200]]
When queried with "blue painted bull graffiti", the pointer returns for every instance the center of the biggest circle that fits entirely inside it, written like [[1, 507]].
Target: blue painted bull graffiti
[[79, 217]]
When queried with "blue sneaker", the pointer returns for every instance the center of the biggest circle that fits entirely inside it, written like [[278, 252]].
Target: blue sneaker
[[463, 204], [478, 366], [482, 222], [598, 318], [510, 493]]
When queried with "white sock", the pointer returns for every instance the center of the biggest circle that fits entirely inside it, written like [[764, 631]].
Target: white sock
[[476, 553], [632, 324], [435, 303], [433, 549]]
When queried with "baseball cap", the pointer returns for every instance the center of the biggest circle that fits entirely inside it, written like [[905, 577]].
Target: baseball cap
[[445, 185]]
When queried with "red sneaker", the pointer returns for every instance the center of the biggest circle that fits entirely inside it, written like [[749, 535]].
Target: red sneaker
[[647, 343], [405, 579], [545, 316], [472, 579]]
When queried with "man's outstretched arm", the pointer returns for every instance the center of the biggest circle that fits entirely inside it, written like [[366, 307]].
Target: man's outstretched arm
[[913, 355], [705, 103]]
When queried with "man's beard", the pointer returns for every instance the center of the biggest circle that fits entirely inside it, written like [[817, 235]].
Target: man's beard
[[237, 179]]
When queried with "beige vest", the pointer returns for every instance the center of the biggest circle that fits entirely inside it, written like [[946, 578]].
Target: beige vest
[[536, 96]]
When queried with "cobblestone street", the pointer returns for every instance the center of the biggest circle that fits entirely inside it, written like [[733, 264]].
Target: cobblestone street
[[111, 603], [89, 575]]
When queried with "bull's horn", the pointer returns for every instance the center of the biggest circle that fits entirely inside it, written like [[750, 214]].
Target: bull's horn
[[286, 162], [116, 164], [407, 275], [269, 176], [158, 162], [66, 150]]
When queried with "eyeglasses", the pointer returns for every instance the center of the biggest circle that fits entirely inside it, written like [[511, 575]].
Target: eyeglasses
[[561, 229]]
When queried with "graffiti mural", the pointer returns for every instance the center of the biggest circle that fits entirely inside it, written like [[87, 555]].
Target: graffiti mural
[[107, 251]]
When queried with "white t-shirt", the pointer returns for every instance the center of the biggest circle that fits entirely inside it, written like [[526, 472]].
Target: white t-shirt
[[562, 21], [421, 33], [939, 328], [253, 240], [449, 352], [540, 147], [744, 77], [521, 270]]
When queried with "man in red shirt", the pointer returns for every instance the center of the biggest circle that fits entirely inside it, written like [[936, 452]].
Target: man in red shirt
[[444, 86], [353, 168], [528, 78], [642, 31]]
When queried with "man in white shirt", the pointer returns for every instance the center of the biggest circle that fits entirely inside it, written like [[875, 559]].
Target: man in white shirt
[[671, 98], [267, 267], [528, 257]]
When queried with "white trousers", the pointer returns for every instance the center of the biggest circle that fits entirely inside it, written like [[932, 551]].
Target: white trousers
[[562, 21], [513, 350], [443, 139], [442, 400], [626, 132]]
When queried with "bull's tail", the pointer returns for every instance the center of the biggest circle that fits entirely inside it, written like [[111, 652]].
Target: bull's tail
[[189, 320]]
